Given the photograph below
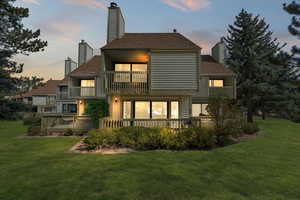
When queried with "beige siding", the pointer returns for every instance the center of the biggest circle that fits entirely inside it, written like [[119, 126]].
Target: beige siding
[[203, 87], [173, 71], [39, 101]]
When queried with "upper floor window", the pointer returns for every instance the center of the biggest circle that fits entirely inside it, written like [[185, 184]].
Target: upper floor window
[[87, 83], [216, 83], [131, 73]]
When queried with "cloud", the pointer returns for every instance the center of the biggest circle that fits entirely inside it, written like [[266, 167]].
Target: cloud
[[205, 39], [61, 29], [87, 3], [31, 1], [188, 5]]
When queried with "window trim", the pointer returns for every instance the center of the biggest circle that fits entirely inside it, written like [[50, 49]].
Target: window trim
[[169, 114]]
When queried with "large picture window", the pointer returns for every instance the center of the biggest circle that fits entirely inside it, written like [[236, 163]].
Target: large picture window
[[151, 109], [160, 110], [142, 110]]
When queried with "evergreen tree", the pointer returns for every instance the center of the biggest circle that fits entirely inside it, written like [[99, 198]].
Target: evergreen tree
[[28, 83], [250, 46], [294, 28], [14, 39]]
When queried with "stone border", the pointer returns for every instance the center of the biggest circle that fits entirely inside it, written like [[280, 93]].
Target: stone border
[[80, 147]]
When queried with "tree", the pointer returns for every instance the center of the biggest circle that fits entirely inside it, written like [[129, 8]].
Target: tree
[[28, 83], [250, 46], [294, 28], [14, 39]]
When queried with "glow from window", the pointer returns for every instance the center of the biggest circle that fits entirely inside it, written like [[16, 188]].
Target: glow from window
[[159, 110], [142, 110], [174, 109], [126, 109], [216, 83], [87, 83]]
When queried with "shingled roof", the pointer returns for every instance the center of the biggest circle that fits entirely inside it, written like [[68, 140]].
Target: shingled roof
[[170, 41], [90, 68], [211, 66], [48, 89]]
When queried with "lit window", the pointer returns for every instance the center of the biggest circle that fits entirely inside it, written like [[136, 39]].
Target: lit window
[[122, 67], [196, 110], [159, 110], [216, 83], [87, 83], [142, 110], [126, 109], [199, 109], [139, 74], [174, 109]]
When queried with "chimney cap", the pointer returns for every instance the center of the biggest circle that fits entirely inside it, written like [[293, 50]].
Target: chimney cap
[[113, 5], [174, 30]]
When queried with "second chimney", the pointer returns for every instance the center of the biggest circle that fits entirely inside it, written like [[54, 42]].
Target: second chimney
[[219, 52], [115, 23], [70, 65], [85, 52]]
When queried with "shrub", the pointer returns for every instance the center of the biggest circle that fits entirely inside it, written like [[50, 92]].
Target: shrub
[[250, 128], [97, 109], [68, 132], [34, 131], [32, 121], [141, 138], [101, 138], [10, 110]]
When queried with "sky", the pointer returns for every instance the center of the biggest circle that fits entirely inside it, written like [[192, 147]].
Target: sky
[[63, 23]]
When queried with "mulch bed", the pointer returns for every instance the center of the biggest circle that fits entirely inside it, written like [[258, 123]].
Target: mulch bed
[[81, 147]]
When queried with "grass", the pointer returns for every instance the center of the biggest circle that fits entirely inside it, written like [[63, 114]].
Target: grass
[[265, 168]]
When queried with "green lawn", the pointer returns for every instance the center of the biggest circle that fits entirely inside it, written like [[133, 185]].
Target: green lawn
[[265, 168]]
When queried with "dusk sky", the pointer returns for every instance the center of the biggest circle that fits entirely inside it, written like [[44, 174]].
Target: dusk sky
[[64, 23]]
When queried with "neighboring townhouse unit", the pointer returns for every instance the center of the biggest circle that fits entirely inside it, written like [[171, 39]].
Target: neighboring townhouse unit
[[45, 97], [146, 76]]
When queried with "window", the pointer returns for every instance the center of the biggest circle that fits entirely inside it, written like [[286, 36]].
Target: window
[[142, 110], [199, 109], [139, 73], [151, 109], [174, 109], [127, 110], [216, 83], [196, 110], [126, 73], [159, 110], [87, 83]]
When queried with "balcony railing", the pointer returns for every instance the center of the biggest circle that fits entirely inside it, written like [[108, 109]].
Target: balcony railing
[[82, 92], [150, 123], [62, 95], [227, 91], [126, 82]]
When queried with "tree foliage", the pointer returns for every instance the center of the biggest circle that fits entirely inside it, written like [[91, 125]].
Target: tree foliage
[[250, 46], [28, 83], [97, 109], [294, 28], [14, 39]]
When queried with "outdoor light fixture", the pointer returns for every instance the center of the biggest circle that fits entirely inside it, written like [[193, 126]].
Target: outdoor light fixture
[[116, 100], [80, 102]]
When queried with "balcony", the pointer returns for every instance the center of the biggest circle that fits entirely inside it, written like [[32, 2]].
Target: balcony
[[227, 91], [126, 82], [76, 92], [62, 95]]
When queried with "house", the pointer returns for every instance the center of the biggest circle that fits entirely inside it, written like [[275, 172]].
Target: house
[[146, 77], [44, 97]]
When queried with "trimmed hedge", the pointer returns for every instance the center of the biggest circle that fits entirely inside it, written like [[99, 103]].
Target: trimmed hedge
[[141, 138]]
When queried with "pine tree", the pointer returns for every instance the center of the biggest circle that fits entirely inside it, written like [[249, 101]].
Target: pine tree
[[250, 46], [294, 28], [14, 39]]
